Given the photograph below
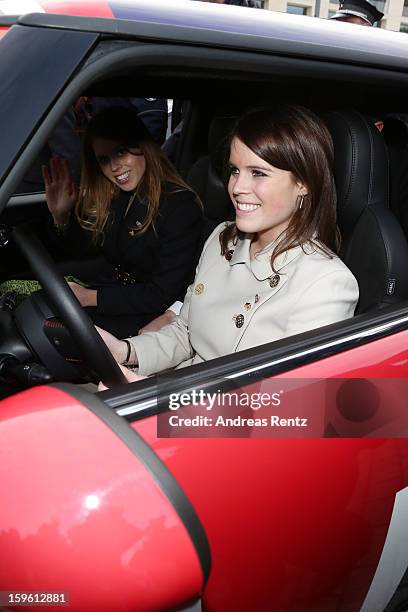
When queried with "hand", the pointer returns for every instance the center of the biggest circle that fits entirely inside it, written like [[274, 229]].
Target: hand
[[159, 322], [60, 189], [117, 347], [86, 297], [130, 376]]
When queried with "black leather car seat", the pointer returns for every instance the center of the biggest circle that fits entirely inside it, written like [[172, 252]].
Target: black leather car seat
[[374, 246], [395, 133], [206, 176]]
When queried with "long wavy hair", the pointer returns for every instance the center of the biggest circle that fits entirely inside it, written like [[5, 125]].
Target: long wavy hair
[[293, 138], [96, 191]]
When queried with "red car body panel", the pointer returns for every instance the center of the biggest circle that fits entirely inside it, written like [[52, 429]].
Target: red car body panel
[[383, 358], [300, 524], [86, 8], [85, 516], [90, 8], [95, 8], [297, 524], [292, 524]]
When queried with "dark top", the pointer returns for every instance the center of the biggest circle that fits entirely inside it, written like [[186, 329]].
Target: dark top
[[155, 267]]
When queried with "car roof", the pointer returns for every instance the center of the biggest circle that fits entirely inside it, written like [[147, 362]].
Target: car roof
[[217, 25]]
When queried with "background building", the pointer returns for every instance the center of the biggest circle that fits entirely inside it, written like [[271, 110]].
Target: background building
[[395, 11]]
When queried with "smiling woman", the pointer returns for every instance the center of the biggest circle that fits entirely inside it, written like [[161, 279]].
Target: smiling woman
[[134, 207], [277, 272], [281, 181]]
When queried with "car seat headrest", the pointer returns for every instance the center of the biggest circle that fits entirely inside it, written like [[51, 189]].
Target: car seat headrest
[[360, 165]]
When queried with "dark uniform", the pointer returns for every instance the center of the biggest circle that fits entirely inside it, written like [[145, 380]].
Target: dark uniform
[[248, 3]]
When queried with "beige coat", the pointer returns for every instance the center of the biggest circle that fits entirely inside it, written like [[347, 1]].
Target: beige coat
[[238, 304]]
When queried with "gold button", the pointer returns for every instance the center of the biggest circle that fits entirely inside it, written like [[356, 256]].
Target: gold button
[[198, 289], [274, 280], [239, 320]]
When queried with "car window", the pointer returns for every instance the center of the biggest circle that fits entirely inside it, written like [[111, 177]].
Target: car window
[[221, 84]]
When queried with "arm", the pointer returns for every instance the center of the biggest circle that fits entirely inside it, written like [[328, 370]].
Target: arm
[[331, 298], [166, 348], [163, 349], [154, 351], [85, 296], [170, 346], [179, 227], [66, 234], [164, 319]]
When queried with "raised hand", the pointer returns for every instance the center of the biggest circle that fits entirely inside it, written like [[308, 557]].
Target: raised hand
[[60, 189]]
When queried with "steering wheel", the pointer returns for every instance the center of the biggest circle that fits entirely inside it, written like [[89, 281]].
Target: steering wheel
[[66, 306]]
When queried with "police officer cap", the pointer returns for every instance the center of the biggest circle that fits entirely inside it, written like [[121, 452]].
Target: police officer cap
[[249, 3], [358, 8]]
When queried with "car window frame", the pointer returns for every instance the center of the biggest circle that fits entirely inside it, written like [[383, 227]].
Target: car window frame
[[112, 56], [109, 57]]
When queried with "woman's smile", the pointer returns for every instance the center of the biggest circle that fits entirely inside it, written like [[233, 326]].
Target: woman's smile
[[123, 178], [244, 208]]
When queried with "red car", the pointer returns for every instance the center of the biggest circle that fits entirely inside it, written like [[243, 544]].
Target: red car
[[109, 501]]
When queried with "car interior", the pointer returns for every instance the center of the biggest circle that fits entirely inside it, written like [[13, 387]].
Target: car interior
[[369, 166]]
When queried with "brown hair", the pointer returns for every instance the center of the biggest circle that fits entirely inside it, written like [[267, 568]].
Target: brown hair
[[96, 191], [293, 138]]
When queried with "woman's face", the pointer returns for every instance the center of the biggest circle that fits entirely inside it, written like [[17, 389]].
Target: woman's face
[[265, 198], [122, 166]]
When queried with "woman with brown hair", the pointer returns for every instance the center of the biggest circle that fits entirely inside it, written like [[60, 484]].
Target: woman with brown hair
[[273, 272], [135, 208]]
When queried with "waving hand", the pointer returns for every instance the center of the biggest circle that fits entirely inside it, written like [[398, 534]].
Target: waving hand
[[60, 189]]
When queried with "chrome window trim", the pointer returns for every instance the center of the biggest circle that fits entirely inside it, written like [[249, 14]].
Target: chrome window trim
[[135, 410], [336, 343]]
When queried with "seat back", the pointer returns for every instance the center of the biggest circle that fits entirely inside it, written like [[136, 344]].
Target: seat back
[[206, 176], [374, 246], [395, 133]]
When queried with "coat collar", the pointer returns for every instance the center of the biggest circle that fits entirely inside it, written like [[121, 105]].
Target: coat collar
[[260, 266]]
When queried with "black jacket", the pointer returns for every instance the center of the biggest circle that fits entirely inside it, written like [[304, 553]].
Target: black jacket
[[159, 262]]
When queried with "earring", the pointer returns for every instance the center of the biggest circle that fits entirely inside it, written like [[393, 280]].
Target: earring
[[302, 197]]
